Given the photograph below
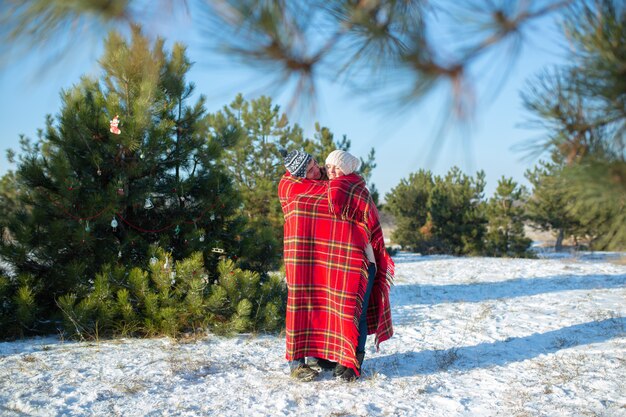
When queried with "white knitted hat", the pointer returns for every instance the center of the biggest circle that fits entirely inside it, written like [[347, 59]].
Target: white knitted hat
[[345, 161]]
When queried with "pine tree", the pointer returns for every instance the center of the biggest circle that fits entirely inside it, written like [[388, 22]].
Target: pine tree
[[173, 297], [581, 105], [549, 206], [8, 195], [505, 213], [9, 206], [409, 203], [259, 130], [18, 306], [367, 167], [91, 197], [324, 142], [457, 213]]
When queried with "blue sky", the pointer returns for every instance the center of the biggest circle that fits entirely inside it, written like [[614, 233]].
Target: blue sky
[[31, 85]]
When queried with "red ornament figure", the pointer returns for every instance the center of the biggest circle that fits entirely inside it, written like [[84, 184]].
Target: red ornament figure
[[113, 126]]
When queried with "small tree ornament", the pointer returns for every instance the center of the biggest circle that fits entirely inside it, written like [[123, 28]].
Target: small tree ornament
[[113, 126]]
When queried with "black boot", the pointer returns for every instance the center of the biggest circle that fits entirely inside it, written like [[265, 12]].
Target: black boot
[[339, 370], [323, 364], [349, 375]]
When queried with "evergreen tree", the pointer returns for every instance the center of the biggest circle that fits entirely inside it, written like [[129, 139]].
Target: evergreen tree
[[581, 105], [323, 143], [549, 206], [367, 167], [439, 215], [90, 197], [408, 202], [18, 305], [171, 297], [457, 213], [259, 130], [505, 212], [9, 206]]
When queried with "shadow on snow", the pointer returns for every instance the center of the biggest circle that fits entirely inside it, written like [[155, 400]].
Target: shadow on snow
[[499, 353], [518, 287]]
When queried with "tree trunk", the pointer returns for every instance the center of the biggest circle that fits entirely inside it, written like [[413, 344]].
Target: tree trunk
[[558, 246]]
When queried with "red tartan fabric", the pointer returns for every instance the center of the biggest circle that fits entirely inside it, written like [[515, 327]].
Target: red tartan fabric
[[326, 273], [351, 200]]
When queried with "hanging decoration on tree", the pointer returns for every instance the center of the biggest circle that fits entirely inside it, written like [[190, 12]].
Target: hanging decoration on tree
[[113, 126], [147, 205]]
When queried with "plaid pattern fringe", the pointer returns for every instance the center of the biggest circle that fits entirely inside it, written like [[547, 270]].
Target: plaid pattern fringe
[[326, 273]]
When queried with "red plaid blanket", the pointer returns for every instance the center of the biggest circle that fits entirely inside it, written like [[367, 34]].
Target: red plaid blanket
[[350, 199], [326, 273]]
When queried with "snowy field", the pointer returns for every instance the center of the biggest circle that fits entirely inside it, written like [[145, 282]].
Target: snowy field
[[474, 337]]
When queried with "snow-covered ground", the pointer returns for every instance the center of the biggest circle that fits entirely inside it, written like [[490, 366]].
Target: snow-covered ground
[[474, 337]]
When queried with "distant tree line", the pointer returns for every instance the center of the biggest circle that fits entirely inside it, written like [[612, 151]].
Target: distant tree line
[[449, 214]]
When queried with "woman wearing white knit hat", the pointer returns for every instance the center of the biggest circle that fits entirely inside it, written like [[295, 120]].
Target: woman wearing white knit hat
[[349, 198], [341, 163]]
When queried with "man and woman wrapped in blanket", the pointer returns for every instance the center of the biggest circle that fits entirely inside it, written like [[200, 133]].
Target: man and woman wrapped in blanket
[[338, 270]]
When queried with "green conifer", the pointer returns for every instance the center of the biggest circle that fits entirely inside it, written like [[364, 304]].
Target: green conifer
[[89, 197], [408, 202], [505, 213], [549, 206], [457, 213]]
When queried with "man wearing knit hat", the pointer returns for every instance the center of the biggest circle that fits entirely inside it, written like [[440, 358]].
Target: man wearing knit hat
[[303, 165]]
